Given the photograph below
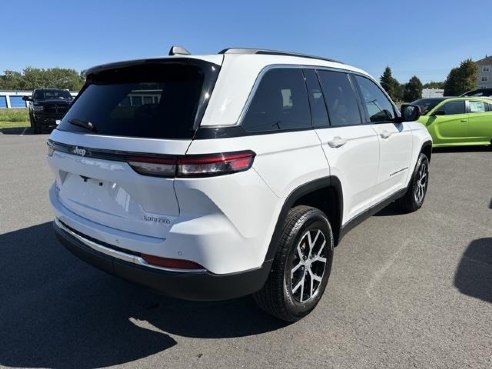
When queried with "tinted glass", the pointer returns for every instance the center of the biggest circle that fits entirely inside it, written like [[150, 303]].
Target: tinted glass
[[152, 100], [479, 92], [52, 95], [379, 107], [316, 99], [3, 102], [340, 98], [426, 105], [453, 107], [280, 102], [488, 106], [477, 107]]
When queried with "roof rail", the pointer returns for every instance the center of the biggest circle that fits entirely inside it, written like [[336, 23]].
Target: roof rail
[[244, 50]]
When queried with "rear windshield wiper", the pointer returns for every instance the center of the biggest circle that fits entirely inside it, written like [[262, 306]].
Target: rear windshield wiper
[[83, 123]]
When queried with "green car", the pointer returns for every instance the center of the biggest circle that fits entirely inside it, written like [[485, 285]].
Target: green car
[[457, 121]]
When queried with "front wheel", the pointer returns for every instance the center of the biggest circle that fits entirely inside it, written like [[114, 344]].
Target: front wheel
[[301, 267], [417, 189], [34, 125]]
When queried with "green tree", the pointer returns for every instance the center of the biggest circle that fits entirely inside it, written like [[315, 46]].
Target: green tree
[[391, 85], [451, 86], [461, 79], [10, 80], [32, 78], [413, 90]]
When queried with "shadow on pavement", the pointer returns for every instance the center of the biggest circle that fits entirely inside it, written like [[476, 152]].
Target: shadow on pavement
[[474, 274], [56, 311], [17, 131], [25, 131], [438, 150], [391, 210]]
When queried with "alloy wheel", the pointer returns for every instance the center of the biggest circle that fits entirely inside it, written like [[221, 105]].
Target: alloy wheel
[[421, 184], [308, 265]]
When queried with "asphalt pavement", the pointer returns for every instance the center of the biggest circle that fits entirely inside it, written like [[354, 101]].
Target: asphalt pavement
[[406, 290]]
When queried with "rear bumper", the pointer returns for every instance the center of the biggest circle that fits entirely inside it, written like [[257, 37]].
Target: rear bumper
[[196, 286]]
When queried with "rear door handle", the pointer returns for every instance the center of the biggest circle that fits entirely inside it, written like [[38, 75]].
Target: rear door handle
[[385, 134], [337, 142]]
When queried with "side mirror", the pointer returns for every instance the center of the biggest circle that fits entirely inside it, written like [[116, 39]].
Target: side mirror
[[439, 112], [410, 113], [26, 98]]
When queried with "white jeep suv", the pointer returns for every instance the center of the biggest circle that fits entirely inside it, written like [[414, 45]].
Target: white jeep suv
[[213, 177]]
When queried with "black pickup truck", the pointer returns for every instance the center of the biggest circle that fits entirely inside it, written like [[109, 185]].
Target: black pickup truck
[[47, 106]]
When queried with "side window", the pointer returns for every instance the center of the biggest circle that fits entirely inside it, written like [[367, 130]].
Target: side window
[[280, 102], [488, 106], [316, 99], [452, 107], [477, 107], [340, 97], [379, 107]]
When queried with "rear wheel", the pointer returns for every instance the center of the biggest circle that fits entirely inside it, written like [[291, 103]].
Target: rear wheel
[[415, 195], [301, 267]]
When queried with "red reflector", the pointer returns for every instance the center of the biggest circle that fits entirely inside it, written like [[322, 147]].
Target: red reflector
[[171, 263]]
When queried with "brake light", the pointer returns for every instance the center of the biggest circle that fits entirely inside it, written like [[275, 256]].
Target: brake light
[[170, 263], [193, 165], [159, 167]]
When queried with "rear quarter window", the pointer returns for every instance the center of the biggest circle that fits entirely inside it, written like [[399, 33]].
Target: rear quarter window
[[280, 102]]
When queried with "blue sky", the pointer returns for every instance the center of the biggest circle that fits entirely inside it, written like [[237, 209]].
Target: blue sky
[[423, 38]]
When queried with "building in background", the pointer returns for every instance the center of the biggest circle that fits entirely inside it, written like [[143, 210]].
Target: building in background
[[484, 72], [432, 92]]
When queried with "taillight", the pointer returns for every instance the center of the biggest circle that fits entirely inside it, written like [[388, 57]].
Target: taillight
[[160, 167], [193, 165]]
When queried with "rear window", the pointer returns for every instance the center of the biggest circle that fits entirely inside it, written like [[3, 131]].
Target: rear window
[[151, 100], [52, 95]]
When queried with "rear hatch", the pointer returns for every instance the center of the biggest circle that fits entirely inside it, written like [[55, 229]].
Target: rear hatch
[[128, 117]]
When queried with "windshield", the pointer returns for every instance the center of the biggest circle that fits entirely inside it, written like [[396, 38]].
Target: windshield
[[151, 100], [479, 92], [52, 95], [426, 105]]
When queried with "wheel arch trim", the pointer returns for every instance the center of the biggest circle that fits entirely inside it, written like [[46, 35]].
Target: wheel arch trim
[[329, 182]]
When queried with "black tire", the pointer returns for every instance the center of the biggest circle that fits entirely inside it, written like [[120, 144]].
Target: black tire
[[35, 125], [417, 189], [283, 294]]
